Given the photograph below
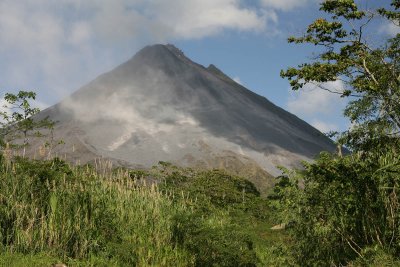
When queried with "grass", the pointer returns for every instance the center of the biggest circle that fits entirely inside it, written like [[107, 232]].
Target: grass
[[98, 216]]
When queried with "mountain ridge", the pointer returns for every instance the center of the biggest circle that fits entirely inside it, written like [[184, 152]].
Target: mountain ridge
[[162, 106]]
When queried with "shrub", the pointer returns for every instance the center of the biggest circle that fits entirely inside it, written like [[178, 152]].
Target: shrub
[[345, 205], [213, 244]]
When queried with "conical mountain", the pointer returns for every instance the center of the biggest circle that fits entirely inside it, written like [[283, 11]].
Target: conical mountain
[[161, 106]]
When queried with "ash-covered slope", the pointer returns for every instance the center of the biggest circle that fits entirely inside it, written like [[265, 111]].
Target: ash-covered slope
[[161, 106]]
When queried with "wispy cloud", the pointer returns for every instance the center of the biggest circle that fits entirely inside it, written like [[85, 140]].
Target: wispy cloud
[[323, 126], [237, 79], [286, 5], [389, 28], [59, 45], [54, 47], [313, 100], [8, 109], [319, 107]]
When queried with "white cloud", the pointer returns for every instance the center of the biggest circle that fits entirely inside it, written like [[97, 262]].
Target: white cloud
[[323, 126], [286, 5], [237, 79], [312, 100], [53, 47], [56, 46], [389, 28], [163, 20], [80, 34], [38, 47], [39, 104], [200, 18], [319, 107]]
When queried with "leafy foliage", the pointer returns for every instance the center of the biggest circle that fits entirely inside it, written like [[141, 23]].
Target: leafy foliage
[[17, 120], [345, 210], [213, 244], [347, 205], [370, 73], [217, 189], [221, 205]]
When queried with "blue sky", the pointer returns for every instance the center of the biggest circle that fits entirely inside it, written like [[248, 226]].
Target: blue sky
[[54, 47]]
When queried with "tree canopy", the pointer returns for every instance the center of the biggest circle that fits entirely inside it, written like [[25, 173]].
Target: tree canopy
[[367, 65], [17, 120], [345, 210]]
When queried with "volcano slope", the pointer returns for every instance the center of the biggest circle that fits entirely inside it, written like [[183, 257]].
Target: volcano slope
[[161, 106]]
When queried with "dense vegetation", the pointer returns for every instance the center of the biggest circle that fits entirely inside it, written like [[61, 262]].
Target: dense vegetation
[[345, 210], [51, 212]]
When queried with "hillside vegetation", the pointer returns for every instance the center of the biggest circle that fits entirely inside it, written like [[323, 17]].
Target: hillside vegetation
[[98, 216], [344, 209]]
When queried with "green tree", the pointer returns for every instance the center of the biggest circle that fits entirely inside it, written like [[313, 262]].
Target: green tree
[[368, 67], [347, 209], [17, 121]]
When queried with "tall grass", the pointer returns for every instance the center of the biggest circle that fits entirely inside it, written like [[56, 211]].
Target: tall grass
[[101, 216], [77, 212]]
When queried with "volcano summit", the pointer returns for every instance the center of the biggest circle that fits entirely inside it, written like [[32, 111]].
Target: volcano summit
[[161, 106]]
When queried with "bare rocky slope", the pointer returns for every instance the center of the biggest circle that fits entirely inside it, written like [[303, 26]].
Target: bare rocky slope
[[161, 106]]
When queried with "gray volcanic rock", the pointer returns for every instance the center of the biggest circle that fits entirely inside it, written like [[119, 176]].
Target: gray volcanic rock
[[161, 106]]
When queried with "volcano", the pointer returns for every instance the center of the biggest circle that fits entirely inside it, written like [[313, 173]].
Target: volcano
[[161, 106]]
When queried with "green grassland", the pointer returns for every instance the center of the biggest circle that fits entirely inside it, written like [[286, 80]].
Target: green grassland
[[51, 212]]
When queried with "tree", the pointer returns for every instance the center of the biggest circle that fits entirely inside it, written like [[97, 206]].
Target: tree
[[18, 123], [368, 68], [347, 209]]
